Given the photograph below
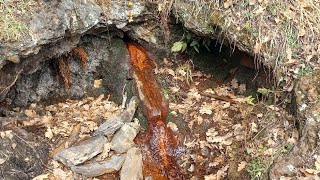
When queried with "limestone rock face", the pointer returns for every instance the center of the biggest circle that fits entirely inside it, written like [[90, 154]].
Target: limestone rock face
[[53, 29], [50, 22]]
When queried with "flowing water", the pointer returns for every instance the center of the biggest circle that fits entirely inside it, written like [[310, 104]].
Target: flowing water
[[160, 146]]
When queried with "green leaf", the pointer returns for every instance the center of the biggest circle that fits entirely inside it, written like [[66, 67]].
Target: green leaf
[[264, 91], [249, 100], [188, 36], [184, 47], [193, 43], [207, 47], [196, 48], [177, 46]]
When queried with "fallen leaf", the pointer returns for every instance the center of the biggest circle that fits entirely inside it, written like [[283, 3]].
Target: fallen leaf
[[234, 83], [48, 134], [30, 113], [174, 89], [205, 109], [8, 134], [41, 177], [260, 10], [254, 127], [172, 126], [2, 161], [97, 83], [317, 165], [268, 152], [252, 2], [241, 165]]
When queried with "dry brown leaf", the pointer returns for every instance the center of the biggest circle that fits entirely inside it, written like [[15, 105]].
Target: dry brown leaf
[[8, 134], [174, 89], [2, 161], [234, 83], [227, 4], [252, 2], [30, 113], [254, 127], [41, 177], [241, 165], [97, 83], [317, 164], [205, 109], [259, 11], [48, 134], [172, 126]]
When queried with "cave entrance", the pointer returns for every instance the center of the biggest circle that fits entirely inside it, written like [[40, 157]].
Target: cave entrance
[[222, 106]]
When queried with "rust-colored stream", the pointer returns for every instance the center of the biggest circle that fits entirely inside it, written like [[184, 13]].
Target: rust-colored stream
[[160, 146]]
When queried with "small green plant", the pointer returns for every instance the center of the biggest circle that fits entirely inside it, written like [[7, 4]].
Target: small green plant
[[190, 43], [257, 168], [264, 91], [249, 100], [291, 35]]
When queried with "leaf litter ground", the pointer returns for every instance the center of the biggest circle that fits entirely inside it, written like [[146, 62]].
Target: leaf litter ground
[[224, 134]]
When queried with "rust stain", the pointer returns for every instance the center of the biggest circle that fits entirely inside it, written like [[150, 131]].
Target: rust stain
[[64, 71], [80, 54], [160, 143]]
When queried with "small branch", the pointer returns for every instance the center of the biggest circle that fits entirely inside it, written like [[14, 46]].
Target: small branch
[[221, 98], [74, 135], [15, 79]]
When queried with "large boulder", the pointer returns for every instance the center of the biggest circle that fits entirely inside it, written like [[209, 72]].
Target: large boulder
[[50, 29], [22, 155]]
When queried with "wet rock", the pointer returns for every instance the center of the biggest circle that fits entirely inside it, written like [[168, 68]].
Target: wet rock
[[123, 139], [94, 169], [22, 155], [132, 166], [80, 153]]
